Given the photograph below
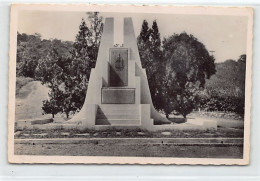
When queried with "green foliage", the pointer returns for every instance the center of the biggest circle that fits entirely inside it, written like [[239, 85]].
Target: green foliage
[[96, 30], [188, 59], [143, 41], [55, 72], [67, 74], [31, 49], [187, 66], [225, 91], [186, 100], [48, 70], [157, 67], [84, 56], [73, 87], [27, 54], [176, 71], [149, 46], [52, 106], [85, 47], [49, 73], [230, 78]]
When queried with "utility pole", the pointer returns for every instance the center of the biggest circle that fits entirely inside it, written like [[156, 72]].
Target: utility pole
[[212, 52]]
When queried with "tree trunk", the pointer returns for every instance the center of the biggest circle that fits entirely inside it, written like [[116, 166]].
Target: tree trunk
[[167, 116], [52, 115], [67, 114]]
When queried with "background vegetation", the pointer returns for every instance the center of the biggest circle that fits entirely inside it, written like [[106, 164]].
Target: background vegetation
[[182, 75]]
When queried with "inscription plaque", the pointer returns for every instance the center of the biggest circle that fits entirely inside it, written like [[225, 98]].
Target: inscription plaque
[[118, 95], [118, 67]]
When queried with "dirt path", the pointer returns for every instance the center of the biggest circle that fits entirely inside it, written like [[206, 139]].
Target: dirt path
[[29, 100], [221, 121], [163, 150]]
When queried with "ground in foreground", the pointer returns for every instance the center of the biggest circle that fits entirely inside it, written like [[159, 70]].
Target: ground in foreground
[[162, 150]]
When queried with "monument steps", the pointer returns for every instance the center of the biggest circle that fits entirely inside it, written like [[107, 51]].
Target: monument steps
[[125, 114], [119, 122], [112, 116], [119, 106], [118, 112]]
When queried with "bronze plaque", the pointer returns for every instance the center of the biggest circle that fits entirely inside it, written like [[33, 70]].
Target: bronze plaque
[[118, 67], [118, 96]]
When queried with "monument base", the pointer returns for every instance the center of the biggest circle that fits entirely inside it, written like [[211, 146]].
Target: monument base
[[205, 125]]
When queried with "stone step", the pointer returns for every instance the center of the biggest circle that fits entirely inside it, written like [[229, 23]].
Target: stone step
[[111, 114], [117, 116], [118, 110], [119, 107], [117, 121]]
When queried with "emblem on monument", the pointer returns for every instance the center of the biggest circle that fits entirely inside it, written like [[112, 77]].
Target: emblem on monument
[[119, 64]]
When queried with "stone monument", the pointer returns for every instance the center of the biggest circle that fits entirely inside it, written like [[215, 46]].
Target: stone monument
[[118, 94]]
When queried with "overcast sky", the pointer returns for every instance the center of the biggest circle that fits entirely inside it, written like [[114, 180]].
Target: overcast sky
[[226, 35]]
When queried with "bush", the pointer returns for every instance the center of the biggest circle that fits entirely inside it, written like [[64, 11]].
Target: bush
[[223, 103]]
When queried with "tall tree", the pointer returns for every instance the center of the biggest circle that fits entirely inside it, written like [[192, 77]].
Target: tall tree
[[156, 68], [84, 56], [86, 45], [96, 30], [155, 40], [149, 45], [143, 42], [80, 53]]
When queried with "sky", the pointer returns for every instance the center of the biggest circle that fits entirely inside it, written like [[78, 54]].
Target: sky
[[225, 35]]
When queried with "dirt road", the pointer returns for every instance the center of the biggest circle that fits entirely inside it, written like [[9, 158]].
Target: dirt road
[[129, 148]]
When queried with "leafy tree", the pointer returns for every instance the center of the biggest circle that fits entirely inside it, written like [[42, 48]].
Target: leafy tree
[[62, 66], [53, 105], [186, 100], [50, 73], [48, 70], [188, 58], [188, 64], [72, 88]]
